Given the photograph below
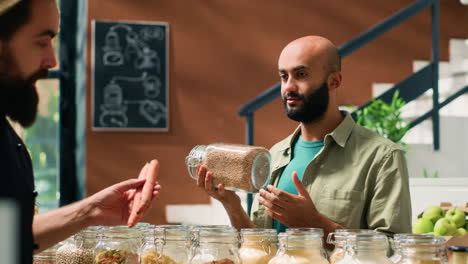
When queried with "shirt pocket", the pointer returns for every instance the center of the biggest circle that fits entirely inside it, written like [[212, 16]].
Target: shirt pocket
[[344, 207]]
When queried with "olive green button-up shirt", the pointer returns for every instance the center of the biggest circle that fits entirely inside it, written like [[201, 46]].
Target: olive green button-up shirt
[[359, 180]]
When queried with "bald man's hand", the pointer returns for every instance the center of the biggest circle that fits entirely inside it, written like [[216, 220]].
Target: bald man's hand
[[289, 209]]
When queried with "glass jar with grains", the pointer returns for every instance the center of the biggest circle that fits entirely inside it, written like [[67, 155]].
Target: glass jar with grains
[[459, 254], [141, 229], [117, 245], [48, 256], [365, 249], [258, 245], [338, 239], [166, 244], [396, 257], [79, 249], [300, 246], [238, 167], [216, 246], [195, 235], [422, 250]]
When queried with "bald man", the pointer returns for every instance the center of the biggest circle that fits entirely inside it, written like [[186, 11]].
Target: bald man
[[329, 173]]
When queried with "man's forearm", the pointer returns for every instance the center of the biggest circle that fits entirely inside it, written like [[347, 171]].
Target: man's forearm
[[54, 226], [237, 215], [328, 227]]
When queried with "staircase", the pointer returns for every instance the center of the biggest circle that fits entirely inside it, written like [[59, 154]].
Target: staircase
[[450, 162]]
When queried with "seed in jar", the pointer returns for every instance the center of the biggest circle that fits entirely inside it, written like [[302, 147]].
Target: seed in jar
[[74, 256], [153, 257], [221, 261], [336, 256], [234, 168], [123, 256], [38, 260]]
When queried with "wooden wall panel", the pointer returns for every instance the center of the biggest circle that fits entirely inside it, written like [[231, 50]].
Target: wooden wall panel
[[223, 53]]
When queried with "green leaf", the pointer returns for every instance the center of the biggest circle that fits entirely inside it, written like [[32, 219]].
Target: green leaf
[[385, 119]]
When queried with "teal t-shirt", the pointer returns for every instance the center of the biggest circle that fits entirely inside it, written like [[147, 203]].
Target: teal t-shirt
[[303, 153]]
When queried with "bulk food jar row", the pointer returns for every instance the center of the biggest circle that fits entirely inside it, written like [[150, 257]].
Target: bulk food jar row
[[177, 244]]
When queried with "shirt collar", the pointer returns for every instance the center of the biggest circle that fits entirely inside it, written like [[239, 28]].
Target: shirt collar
[[343, 131], [340, 134]]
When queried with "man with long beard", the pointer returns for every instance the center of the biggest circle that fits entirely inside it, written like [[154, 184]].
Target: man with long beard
[[330, 173], [27, 28]]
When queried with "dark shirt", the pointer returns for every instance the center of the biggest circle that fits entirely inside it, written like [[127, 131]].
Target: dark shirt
[[17, 184]]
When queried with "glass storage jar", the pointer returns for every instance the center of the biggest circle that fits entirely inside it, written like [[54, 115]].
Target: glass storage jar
[[239, 167], [48, 256], [166, 244], [195, 231], [258, 245], [216, 246], [396, 257], [365, 249], [422, 250], [141, 229], [79, 249], [117, 245], [300, 246], [459, 254], [338, 239]]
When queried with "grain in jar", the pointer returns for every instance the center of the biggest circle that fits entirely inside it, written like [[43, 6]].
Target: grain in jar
[[238, 167], [258, 245], [117, 245], [338, 239], [366, 248], [216, 246], [166, 244], [300, 246], [45, 257], [422, 250], [48, 256], [459, 254], [79, 249], [195, 235], [396, 257]]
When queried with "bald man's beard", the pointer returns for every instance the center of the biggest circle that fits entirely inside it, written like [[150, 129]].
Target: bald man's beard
[[313, 106], [18, 96]]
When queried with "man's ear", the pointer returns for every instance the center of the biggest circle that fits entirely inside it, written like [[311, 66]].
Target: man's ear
[[334, 80]]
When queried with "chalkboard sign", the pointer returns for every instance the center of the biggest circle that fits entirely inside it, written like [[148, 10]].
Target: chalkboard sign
[[130, 76]]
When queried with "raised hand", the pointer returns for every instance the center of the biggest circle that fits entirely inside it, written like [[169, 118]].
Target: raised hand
[[289, 209], [128, 201]]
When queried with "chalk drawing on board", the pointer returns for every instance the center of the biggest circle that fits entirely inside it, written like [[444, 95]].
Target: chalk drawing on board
[[114, 108], [112, 50], [153, 111], [148, 33], [136, 49]]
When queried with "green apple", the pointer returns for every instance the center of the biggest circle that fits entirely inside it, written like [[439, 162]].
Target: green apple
[[445, 227], [422, 225], [466, 226], [433, 213], [461, 232], [457, 216]]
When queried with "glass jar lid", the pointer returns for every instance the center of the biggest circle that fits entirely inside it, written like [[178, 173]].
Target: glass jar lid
[[171, 233], [301, 237], [367, 241], [220, 236], [458, 249], [258, 234], [421, 244], [339, 236]]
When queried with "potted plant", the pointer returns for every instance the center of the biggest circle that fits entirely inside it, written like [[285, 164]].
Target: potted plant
[[384, 118]]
